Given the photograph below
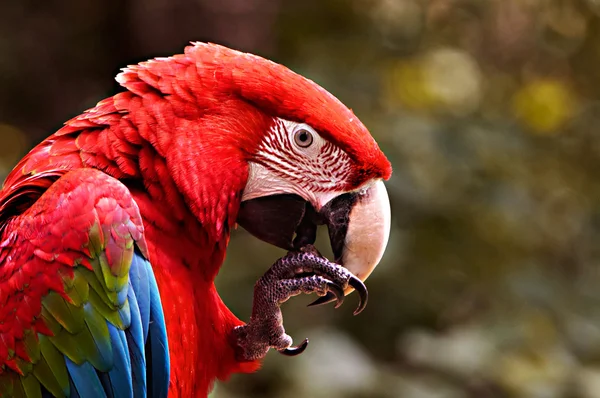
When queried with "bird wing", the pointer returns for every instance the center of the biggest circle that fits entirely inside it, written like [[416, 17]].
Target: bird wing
[[80, 311]]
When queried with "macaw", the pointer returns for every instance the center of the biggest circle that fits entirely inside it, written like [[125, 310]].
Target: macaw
[[113, 229]]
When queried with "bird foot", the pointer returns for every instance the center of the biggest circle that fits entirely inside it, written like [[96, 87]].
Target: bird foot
[[304, 271]]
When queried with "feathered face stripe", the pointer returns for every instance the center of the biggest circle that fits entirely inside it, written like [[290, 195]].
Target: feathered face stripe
[[318, 167]]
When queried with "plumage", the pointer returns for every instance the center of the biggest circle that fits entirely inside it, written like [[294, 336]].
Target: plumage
[[113, 229], [156, 345], [135, 336], [121, 383], [83, 346], [141, 291], [85, 380]]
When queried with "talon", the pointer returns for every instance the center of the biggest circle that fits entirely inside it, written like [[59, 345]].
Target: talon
[[328, 298], [293, 351], [363, 293], [335, 293], [338, 292], [361, 289]]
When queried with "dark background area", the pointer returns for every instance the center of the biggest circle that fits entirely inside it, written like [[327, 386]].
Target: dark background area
[[489, 113]]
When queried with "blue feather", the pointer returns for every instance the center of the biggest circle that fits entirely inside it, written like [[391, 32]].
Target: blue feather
[[138, 276], [135, 342], [120, 375], [105, 380], [72, 390], [157, 347], [85, 381], [121, 296], [125, 347]]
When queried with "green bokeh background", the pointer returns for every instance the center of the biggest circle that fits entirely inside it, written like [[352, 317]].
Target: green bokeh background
[[489, 112]]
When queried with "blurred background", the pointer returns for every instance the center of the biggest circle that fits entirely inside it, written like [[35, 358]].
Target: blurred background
[[489, 111]]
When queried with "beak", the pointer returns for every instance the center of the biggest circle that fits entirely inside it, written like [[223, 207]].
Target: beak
[[358, 222], [359, 228]]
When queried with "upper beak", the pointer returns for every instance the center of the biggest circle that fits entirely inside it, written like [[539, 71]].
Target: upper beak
[[358, 222], [359, 228]]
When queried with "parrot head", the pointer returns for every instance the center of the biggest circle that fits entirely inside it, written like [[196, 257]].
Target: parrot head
[[303, 158], [299, 179], [315, 164]]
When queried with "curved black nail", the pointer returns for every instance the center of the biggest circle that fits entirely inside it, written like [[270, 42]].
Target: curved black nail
[[338, 292], [363, 293], [328, 298], [293, 351]]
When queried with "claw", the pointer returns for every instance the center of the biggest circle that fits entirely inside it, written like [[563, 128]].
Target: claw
[[337, 292], [363, 294], [328, 298], [293, 351], [361, 289]]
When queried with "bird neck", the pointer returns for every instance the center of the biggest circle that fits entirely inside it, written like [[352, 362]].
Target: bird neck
[[199, 325]]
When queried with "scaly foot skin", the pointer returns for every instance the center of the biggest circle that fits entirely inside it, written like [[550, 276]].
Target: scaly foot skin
[[305, 271]]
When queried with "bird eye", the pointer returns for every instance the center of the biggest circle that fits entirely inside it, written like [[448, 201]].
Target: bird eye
[[303, 138]]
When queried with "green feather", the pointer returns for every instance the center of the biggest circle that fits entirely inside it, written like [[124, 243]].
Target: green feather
[[45, 376], [113, 297], [104, 281], [111, 314], [7, 384], [52, 370], [99, 331], [120, 268], [96, 239], [50, 322], [70, 345], [32, 347], [122, 282], [93, 281], [66, 314], [80, 289], [31, 386], [67, 279], [84, 340], [106, 277], [24, 366], [18, 391]]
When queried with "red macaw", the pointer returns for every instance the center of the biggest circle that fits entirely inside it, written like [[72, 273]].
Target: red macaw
[[113, 229]]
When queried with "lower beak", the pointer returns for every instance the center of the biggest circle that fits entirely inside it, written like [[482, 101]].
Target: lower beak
[[358, 222]]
